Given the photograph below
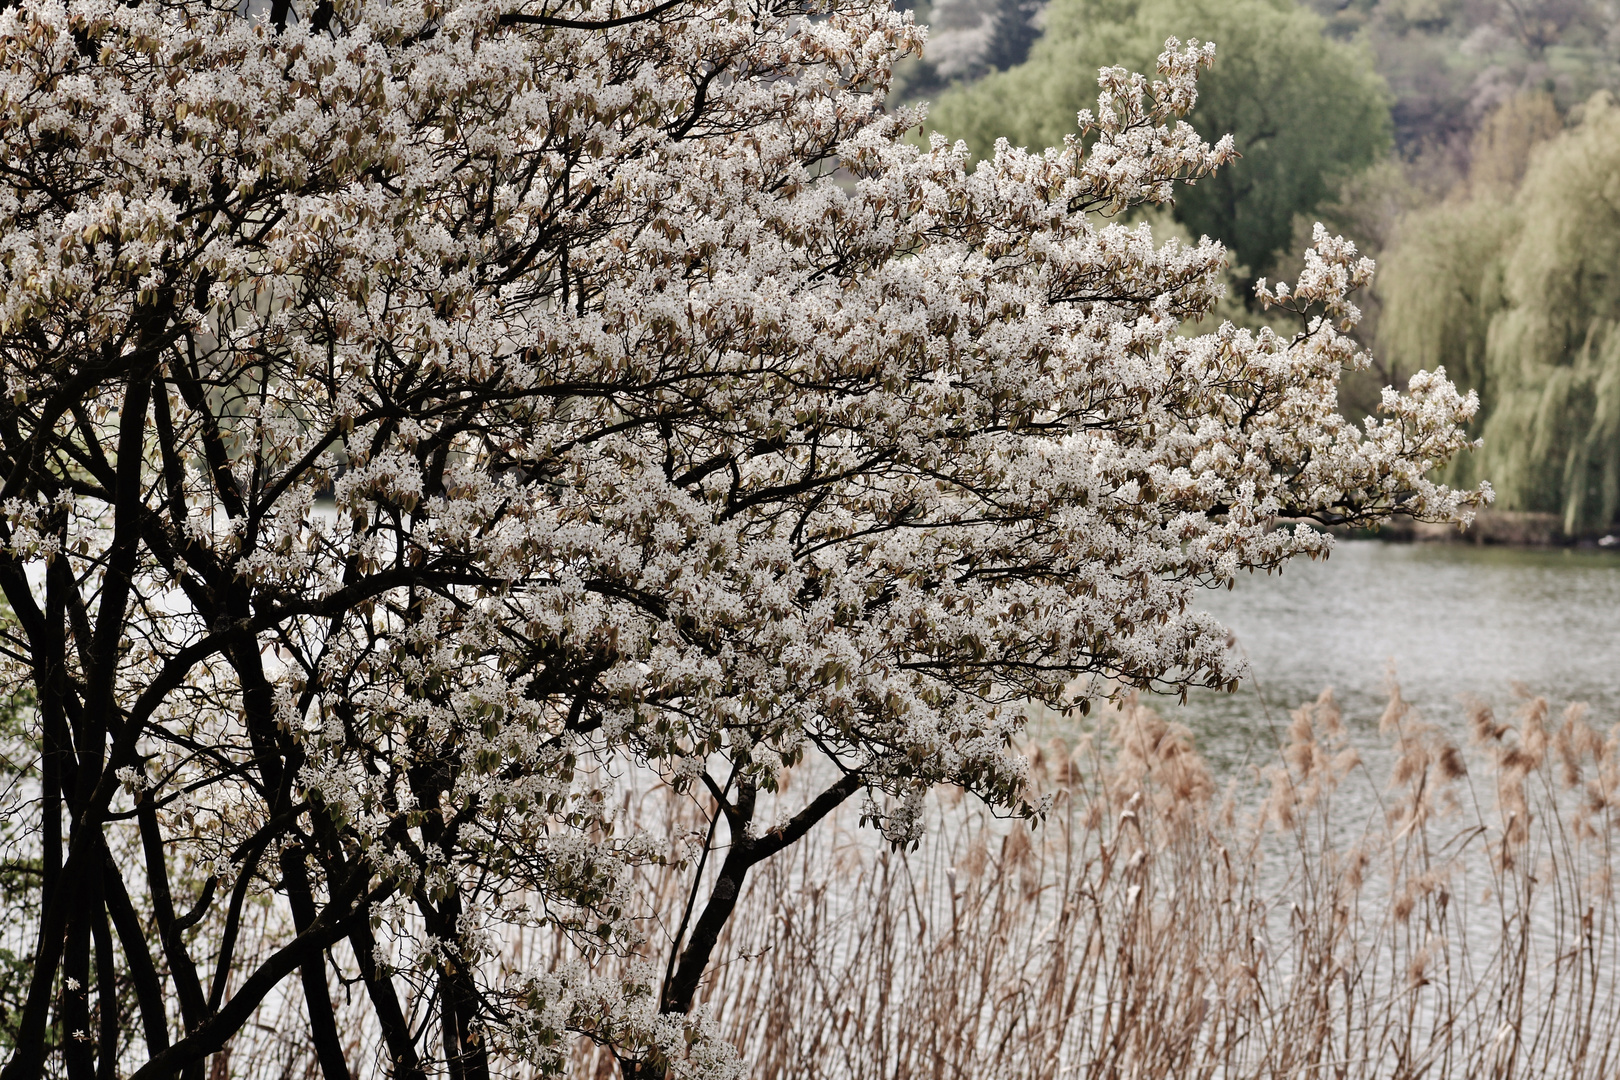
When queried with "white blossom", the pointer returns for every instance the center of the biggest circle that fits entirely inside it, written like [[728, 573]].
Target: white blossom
[[416, 416]]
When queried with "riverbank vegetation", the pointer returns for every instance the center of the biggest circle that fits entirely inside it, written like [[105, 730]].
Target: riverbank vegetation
[[1305, 111], [1512, 285], [1441, 909], [1373, 899]]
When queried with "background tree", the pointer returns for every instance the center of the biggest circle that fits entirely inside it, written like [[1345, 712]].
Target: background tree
[[966, 40], [1304, 111], [1514, 287], [1451, 63], [417, 421]]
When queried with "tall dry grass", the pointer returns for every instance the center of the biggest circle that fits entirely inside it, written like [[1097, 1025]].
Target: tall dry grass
[[1161, 924], [1447, 911]]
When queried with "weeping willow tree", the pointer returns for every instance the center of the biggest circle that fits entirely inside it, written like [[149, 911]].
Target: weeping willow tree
[[1515, 288]]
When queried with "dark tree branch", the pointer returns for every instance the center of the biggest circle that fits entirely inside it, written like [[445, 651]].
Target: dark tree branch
[[138, 957], [182, 971], [518, 18], [106, 994], [403, 1059], [743, 854], [317, 997], [332, 925]]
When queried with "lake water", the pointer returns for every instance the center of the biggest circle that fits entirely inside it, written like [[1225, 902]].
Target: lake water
[[1453, 619]]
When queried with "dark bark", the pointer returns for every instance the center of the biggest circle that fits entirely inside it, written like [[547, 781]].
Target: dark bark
[[106, 994], [50, 681], [331, 926], [81, 777], [317, 996], [182, 971], [518, 18], [740, 858], [465, 1054], [404, 1063], [233, 916], [449, 1030], [744, 853], [137, 957], [73, 1012]]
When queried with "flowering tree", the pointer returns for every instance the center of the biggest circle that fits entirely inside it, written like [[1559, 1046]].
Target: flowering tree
[[415, 415]]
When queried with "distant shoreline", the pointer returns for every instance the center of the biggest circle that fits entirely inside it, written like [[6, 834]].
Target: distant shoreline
[[1507, 528]]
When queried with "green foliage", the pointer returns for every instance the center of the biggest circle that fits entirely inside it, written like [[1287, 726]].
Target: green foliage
[[1304, 111], [1516, 290], [1442, 285]]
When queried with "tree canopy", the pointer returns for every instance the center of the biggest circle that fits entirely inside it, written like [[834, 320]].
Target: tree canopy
[[1513, 285], [419, 420], [1450, 62], [1304, 111]]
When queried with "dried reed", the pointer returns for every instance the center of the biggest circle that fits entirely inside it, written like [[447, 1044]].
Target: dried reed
[[1161, 924], [1157, 926]]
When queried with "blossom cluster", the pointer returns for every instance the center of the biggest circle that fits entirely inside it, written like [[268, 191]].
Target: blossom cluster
[[455, 405]]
